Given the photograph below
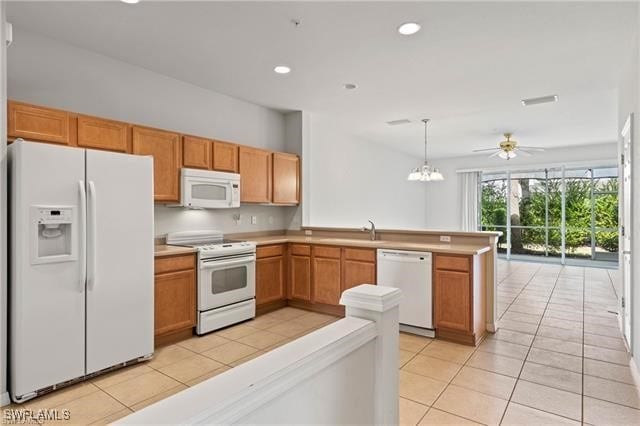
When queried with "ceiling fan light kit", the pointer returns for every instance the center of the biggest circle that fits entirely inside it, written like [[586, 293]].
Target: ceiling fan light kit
[[425, 173], [508, 149]]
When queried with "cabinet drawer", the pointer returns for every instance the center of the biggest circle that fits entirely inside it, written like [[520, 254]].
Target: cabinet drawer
[[453, 263], [174, 263], [365, 255], [301, 249], [322, 251], [269, 251]]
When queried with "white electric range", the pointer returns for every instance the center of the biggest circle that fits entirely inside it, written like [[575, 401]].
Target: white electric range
[[226, 278]]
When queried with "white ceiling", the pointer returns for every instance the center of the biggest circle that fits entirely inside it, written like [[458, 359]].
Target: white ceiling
[[467, 69]]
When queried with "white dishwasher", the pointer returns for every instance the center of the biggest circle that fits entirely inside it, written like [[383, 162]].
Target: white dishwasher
[[410, 271]]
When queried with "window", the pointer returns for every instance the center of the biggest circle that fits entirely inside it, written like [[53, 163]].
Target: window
[[553, 213]]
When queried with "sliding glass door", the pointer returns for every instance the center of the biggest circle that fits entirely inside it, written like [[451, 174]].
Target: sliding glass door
[[553, 213]]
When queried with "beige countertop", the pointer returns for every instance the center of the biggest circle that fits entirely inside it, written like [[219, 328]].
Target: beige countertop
[[167, 250], [399, 245]]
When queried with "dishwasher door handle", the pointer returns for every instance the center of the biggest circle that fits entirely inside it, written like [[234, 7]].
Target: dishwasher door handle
[[403, 257]]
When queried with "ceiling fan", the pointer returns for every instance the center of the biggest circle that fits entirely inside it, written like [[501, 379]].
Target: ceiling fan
[[509, 148]]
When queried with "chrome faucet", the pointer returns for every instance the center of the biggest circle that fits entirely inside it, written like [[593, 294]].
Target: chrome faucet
[[371, 231]]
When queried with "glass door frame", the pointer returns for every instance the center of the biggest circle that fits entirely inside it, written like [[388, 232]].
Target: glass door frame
[[563, 225]]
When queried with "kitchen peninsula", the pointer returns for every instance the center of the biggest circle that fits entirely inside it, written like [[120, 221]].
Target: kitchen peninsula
[[311, 268]]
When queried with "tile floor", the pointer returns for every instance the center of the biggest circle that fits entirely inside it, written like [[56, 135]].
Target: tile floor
[[176, 367], [558, 358]]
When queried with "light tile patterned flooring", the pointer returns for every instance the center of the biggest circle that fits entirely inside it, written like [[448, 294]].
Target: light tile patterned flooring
[[558, 358], [176, 367]]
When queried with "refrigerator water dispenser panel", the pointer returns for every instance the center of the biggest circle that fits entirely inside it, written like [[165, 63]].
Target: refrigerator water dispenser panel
[[54, 231]]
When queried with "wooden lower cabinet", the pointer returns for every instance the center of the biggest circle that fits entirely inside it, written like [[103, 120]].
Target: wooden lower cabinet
[[453, 294], [270, 275], [358, 267], [459, 298], [175, 295], [326, 280], [356, 272], [300, 278]]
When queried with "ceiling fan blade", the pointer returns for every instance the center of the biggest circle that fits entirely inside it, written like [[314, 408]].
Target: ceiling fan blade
[[532, 148], [523, 152], [485, 149], [495, 154]]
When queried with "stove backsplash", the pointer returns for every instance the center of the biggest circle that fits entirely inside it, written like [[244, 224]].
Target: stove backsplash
[[171, 219]]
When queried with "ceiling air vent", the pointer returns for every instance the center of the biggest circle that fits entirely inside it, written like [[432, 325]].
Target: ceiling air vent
[[398, 122], [540, 100]]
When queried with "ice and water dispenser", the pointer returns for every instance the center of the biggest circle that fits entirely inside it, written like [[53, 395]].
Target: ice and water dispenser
[[54, 234]]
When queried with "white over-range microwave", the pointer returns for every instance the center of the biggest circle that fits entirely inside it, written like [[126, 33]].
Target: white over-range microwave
[[205, 189]]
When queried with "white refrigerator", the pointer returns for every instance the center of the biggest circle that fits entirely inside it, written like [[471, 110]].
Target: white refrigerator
[[81, 263]]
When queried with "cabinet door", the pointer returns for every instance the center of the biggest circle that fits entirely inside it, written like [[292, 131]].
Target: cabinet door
[[36, 123], [326, 280], [225, 157], [269, 279], [286, 178], [255, 175], [103, 134], [356, 272], [300, 278], [196, 152], [452, 298], [166, 151], [175, 301]]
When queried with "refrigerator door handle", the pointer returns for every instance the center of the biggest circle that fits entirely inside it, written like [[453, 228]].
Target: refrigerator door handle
[[83, 235], [91, 237]]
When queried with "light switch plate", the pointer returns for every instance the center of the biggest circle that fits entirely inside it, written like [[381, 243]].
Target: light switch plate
[[445, 239], [308, 232]]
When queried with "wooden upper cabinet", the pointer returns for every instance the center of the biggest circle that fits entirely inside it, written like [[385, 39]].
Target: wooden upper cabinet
[[196, 152], [165, 147], [225, 157], [37, 123], [286, 178], [98, 133], [255, 175]]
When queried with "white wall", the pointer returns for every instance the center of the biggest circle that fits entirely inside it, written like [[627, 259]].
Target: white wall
[[47, 72], [351, 180], [444, 198], [629, 102], [4, 396]]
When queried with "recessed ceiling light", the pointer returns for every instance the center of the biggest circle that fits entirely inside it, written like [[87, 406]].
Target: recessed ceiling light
[[130, 1], [540, 100], [282, 69], [409, 28], [350, 86]]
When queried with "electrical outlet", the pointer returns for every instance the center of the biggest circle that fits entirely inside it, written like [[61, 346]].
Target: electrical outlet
[[236, 218], [308, 232], [445, 239], [270, 220], [254, 220]]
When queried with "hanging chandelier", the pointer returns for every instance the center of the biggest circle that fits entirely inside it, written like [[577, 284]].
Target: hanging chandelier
[[426, 173]]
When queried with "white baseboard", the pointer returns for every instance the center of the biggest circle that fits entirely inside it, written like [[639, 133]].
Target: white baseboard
[[4, 399], [635, 373]]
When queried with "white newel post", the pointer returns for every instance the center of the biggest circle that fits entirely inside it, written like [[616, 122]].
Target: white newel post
[[380, 304]]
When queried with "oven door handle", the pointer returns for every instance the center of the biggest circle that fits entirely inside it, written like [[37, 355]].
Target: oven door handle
[[223, 263]]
